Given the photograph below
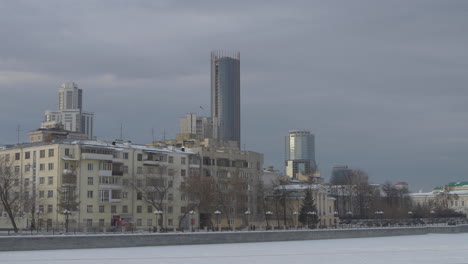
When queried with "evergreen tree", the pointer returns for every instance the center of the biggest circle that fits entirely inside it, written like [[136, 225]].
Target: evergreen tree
[[308, 205]]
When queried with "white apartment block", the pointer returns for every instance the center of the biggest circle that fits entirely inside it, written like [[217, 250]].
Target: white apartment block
[[103, 175]]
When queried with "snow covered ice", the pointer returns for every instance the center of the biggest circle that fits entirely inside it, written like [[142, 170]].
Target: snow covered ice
[[427, 249]]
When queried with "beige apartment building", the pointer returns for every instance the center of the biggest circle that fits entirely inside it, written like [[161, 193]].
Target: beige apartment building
[[105, 180]]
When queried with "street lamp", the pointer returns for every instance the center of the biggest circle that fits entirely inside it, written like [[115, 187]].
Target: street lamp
[[247, 214], [295, 214], [158, 213], [192, 221], [217, 213], [308, 217], [38, 212], [267, 215], [67, 213]]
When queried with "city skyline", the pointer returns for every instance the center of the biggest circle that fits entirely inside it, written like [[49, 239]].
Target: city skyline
[[382, 86]]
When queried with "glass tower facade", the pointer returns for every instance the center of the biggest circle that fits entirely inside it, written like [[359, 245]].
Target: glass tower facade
[[299, 153], [225, 95]]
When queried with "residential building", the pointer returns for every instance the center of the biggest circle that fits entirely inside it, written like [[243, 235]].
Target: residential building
[[225, 96], [225, 163], [105, 180], [70, 115], [299, 153], [196, 125]]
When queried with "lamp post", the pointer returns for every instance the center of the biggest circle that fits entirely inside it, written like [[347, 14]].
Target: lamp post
[[308, 217], [247, 214], [38, 212], [295, 214], [158, 213], [267, 215], [192, 221], [67, 213], [217, 213], [378, 214]]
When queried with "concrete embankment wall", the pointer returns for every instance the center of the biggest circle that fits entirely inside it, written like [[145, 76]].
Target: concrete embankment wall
[[16, 243]]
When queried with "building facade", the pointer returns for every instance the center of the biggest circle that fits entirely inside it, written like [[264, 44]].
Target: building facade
[[225, 96], [106, 183], [70, 115], [196, 125], [299, 153]]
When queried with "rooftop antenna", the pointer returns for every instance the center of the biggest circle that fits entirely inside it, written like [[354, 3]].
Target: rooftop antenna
[[121, 131], [152, 133], [18, 130], [164, 135]]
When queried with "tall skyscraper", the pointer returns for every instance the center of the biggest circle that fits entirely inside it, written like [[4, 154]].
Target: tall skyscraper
[[299, 153], [70, 115], [225, 95]]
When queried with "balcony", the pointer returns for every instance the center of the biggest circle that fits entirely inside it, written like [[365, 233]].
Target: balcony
[[94, 156], [69, 172], [194, 166], [155, 163], [105, 173]]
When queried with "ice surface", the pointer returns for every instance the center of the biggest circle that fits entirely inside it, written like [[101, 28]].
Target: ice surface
[[427, 249]]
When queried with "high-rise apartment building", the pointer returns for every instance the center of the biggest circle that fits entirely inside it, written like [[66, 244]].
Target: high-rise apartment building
[[70, 115], [225, 95], [199, 126], [299, 153]]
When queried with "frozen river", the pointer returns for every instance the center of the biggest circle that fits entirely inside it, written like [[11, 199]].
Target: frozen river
[[432, 248]]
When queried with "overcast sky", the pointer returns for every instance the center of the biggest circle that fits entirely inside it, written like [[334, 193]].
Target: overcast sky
[[381, 84]]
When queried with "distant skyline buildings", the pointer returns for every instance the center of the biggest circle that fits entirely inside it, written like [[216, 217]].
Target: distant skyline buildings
[[200, 126], [70, 115], [225, 95], [299, 153]]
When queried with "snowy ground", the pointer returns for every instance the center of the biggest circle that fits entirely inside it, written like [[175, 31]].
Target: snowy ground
[[427, 249]]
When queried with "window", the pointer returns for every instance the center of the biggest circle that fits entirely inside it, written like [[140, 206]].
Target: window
[[125, 169], [90, 181], [41, 208], [50, 208], [182, 173], [139, 209], [67, 152], [139, 157], [125, 182], [183, 209], [90, 194], [124, 195], [170, 196], [26, 182], [90, 166], [42, 167], [171, 159], [125, 209], [113, 209], [17, 156], [89, 222], [169, 184], [139, 170], [169, 209], [41, 194], [41, 180], [462, 203], [138, 223], [50, 193], [182, 185], [182, 197], [149, 222], [51, 152], [182, 161], [51, 166], [27, 155], [139, 196], [89, 208], [16, 182], [149, 209], [50, 180], [101, 208], [7, 157], [27, 168], [125, 155], [42, 153], [170, 172], [101, 222], [17, 169], [169, 222], [231, 221]]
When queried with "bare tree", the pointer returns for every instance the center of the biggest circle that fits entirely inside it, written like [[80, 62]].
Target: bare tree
[[12, 195]]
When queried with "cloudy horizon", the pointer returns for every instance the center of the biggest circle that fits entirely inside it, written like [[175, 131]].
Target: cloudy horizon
[[381, 84]]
